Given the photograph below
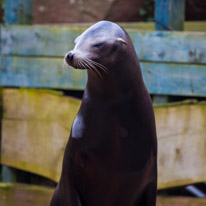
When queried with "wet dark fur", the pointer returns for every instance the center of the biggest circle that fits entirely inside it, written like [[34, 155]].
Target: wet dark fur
[[111, 155]]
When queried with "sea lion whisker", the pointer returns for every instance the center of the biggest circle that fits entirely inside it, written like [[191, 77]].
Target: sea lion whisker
[[97, 71], [99, 65], [80, 64], [93, 68], [83, 64], [90, 64]]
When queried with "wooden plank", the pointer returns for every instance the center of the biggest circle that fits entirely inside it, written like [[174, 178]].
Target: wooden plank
[[31, 195], [24, 195], [181, 130], [181, 133], [170, 13], [50, 116], [18, 11], [177, 47], [175, 79], [180, 201], [55, 41], [195, 26], [40, 73], [162, 79]]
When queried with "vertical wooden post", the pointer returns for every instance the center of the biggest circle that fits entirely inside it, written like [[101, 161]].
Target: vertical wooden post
[[170, 14], [15, 12], [18, 11]]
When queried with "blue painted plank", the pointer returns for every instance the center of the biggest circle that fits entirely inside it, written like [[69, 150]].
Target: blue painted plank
[[18, 11], [55, 41], [175, 79], [169, 14], [40, 73], [182, 47], [160, 78]]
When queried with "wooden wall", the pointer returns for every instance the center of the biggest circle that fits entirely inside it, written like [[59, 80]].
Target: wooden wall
[[173, 63], [181, 131], [175, 66]]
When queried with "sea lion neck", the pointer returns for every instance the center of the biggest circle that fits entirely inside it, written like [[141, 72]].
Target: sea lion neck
[[117, 83]]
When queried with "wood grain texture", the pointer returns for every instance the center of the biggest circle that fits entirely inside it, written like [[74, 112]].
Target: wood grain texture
[[31, 195], [162, 78], [181, 130], [24, 195], [55, 41], [40, 122]]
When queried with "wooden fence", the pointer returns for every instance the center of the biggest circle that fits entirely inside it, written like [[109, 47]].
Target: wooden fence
[[31, 69]]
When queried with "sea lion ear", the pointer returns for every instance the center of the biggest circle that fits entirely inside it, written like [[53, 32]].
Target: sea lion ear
[[122, 41]]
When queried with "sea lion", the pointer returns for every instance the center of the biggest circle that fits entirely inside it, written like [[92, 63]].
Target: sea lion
[[111, 155]]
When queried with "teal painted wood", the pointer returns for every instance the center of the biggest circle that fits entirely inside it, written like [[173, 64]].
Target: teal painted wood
[[40, 73], [18, 11], [160, 78], [52, 41], [8, 174], [55, 41], [175, 79], [170, 13]]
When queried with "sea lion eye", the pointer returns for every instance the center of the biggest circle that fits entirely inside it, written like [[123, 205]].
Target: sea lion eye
[[98, 45]]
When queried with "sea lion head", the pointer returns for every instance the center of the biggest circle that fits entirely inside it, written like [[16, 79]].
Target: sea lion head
[[97, 48]]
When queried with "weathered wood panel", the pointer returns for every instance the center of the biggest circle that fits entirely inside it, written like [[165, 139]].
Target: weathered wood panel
[[181, 133], [180, 201], [171, 79], [53, 41], [30, 195], [24, 195], [38, 123], [40, 73]]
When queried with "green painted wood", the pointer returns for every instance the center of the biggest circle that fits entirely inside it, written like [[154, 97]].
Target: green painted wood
[[18, 11], [170, 13], [160, 78], [55, 41]]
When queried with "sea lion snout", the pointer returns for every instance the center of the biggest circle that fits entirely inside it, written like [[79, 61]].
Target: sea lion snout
[[69, 57]]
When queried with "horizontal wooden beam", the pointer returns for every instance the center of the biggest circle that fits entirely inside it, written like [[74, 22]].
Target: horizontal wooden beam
[[38, 195], [180, 129], [160, 78], [55, 41]]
